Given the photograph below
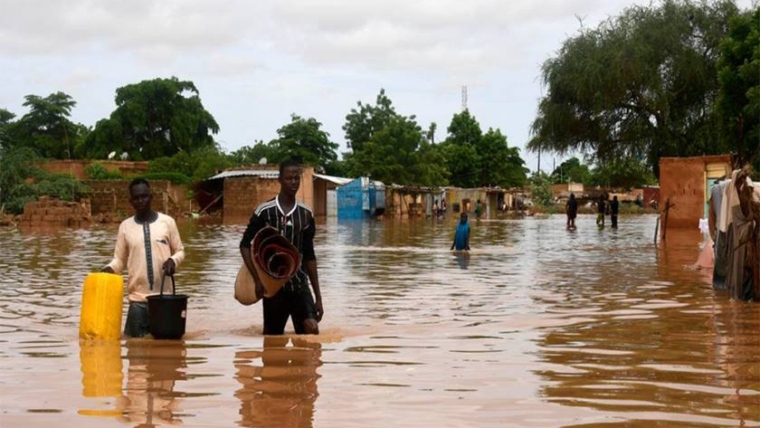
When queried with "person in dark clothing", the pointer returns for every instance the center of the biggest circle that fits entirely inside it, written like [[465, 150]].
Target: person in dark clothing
[[571, 208], [295, 221], [614, 208], [601, 206]]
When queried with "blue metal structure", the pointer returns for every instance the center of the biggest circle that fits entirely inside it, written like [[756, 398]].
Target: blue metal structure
[[361, 198]]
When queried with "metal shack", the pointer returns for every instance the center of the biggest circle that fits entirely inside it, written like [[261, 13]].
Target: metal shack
[[361, 198]]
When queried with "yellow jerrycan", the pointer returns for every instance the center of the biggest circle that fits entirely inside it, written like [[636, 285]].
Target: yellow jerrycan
[[102, 307]]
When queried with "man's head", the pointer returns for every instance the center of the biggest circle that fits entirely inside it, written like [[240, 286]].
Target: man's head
[[463, 218], [290, 177], [140, 196], [614, 198]]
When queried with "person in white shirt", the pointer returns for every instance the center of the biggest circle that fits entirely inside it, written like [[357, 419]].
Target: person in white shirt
[[148, 245]]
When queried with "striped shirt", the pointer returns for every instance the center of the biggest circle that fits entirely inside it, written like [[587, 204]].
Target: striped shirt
[[297, 226]]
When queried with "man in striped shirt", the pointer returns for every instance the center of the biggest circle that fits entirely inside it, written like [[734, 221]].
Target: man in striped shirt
[[295, 221]]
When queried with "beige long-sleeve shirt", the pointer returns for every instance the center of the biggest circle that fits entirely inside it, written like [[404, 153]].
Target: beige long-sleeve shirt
[[131, 253]]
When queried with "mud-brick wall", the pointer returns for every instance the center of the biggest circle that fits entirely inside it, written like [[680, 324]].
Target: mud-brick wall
[[77, 167], [242, 194], [53, 212], [683, 181], [110, 199]]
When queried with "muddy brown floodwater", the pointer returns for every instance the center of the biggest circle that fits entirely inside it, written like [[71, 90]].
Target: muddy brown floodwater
[[538, 327]]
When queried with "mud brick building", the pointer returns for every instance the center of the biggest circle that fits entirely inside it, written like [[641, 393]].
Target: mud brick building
[[686, 183]]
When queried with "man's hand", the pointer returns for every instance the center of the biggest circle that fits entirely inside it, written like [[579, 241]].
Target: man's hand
[[169, 267], [319, 308]]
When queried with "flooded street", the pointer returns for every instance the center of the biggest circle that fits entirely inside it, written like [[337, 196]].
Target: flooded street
[[538, 327]]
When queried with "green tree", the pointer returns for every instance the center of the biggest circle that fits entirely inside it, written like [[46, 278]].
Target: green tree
[[6, 121], [739, 73], [247, 155], [622, 174], [197, 166], [500, 164], [571, 171], [461, 148], [21, 181], [46, 128], [303, 140], [641, 85], [154, 118], [541, 188], [366, 120]]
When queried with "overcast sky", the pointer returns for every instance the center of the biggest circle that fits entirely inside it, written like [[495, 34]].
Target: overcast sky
[[257, 62]]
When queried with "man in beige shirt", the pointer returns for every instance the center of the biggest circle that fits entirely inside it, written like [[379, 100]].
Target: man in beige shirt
[[149, 246]]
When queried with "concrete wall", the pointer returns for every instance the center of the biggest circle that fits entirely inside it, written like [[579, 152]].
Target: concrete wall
[[683, 181]]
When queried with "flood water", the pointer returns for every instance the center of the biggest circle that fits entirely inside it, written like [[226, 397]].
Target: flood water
[[538, 327]]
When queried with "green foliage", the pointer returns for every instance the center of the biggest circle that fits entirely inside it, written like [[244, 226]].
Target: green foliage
[[362, 123], [96, 171], [622, 173], [46, 128], [739, 99], [641, 85], [304, 141], [390, 147], [192, 167], [474, 159], [572, 171], [541, 189], [154, 118], [247, 155], [21, 181]]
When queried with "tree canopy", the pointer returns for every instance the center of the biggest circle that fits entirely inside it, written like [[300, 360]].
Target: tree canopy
[[640, 86], [391, 147], [739, 99], [475, 159], [154, 118], [46, 128], [305, 141]]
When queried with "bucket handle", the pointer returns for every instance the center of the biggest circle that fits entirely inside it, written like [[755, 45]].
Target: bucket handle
[[174, 288]]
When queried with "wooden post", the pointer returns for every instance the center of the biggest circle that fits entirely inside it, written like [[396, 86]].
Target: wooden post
[[668, 206]]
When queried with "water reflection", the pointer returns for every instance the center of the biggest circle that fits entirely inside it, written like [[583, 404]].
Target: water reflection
[[102, 374], [154, 368], [279, 383]]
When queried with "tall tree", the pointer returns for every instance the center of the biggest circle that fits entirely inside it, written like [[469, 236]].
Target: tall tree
[[46, 128], [154, 118], [461, 149], [640, 86], [500, 164], [259, 152], [304, 140], [365, 120], [739, 73], [571, 171], [6, 120], [390, 147]]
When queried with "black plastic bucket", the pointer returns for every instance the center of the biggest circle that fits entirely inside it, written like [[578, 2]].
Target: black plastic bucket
[[167, 313]]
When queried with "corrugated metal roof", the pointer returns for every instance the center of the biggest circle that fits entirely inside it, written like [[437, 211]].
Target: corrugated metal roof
[[263, 173], [337, 180]]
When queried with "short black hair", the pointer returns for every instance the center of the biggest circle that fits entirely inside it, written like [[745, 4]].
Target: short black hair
[[137, 181], [289, 163]]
